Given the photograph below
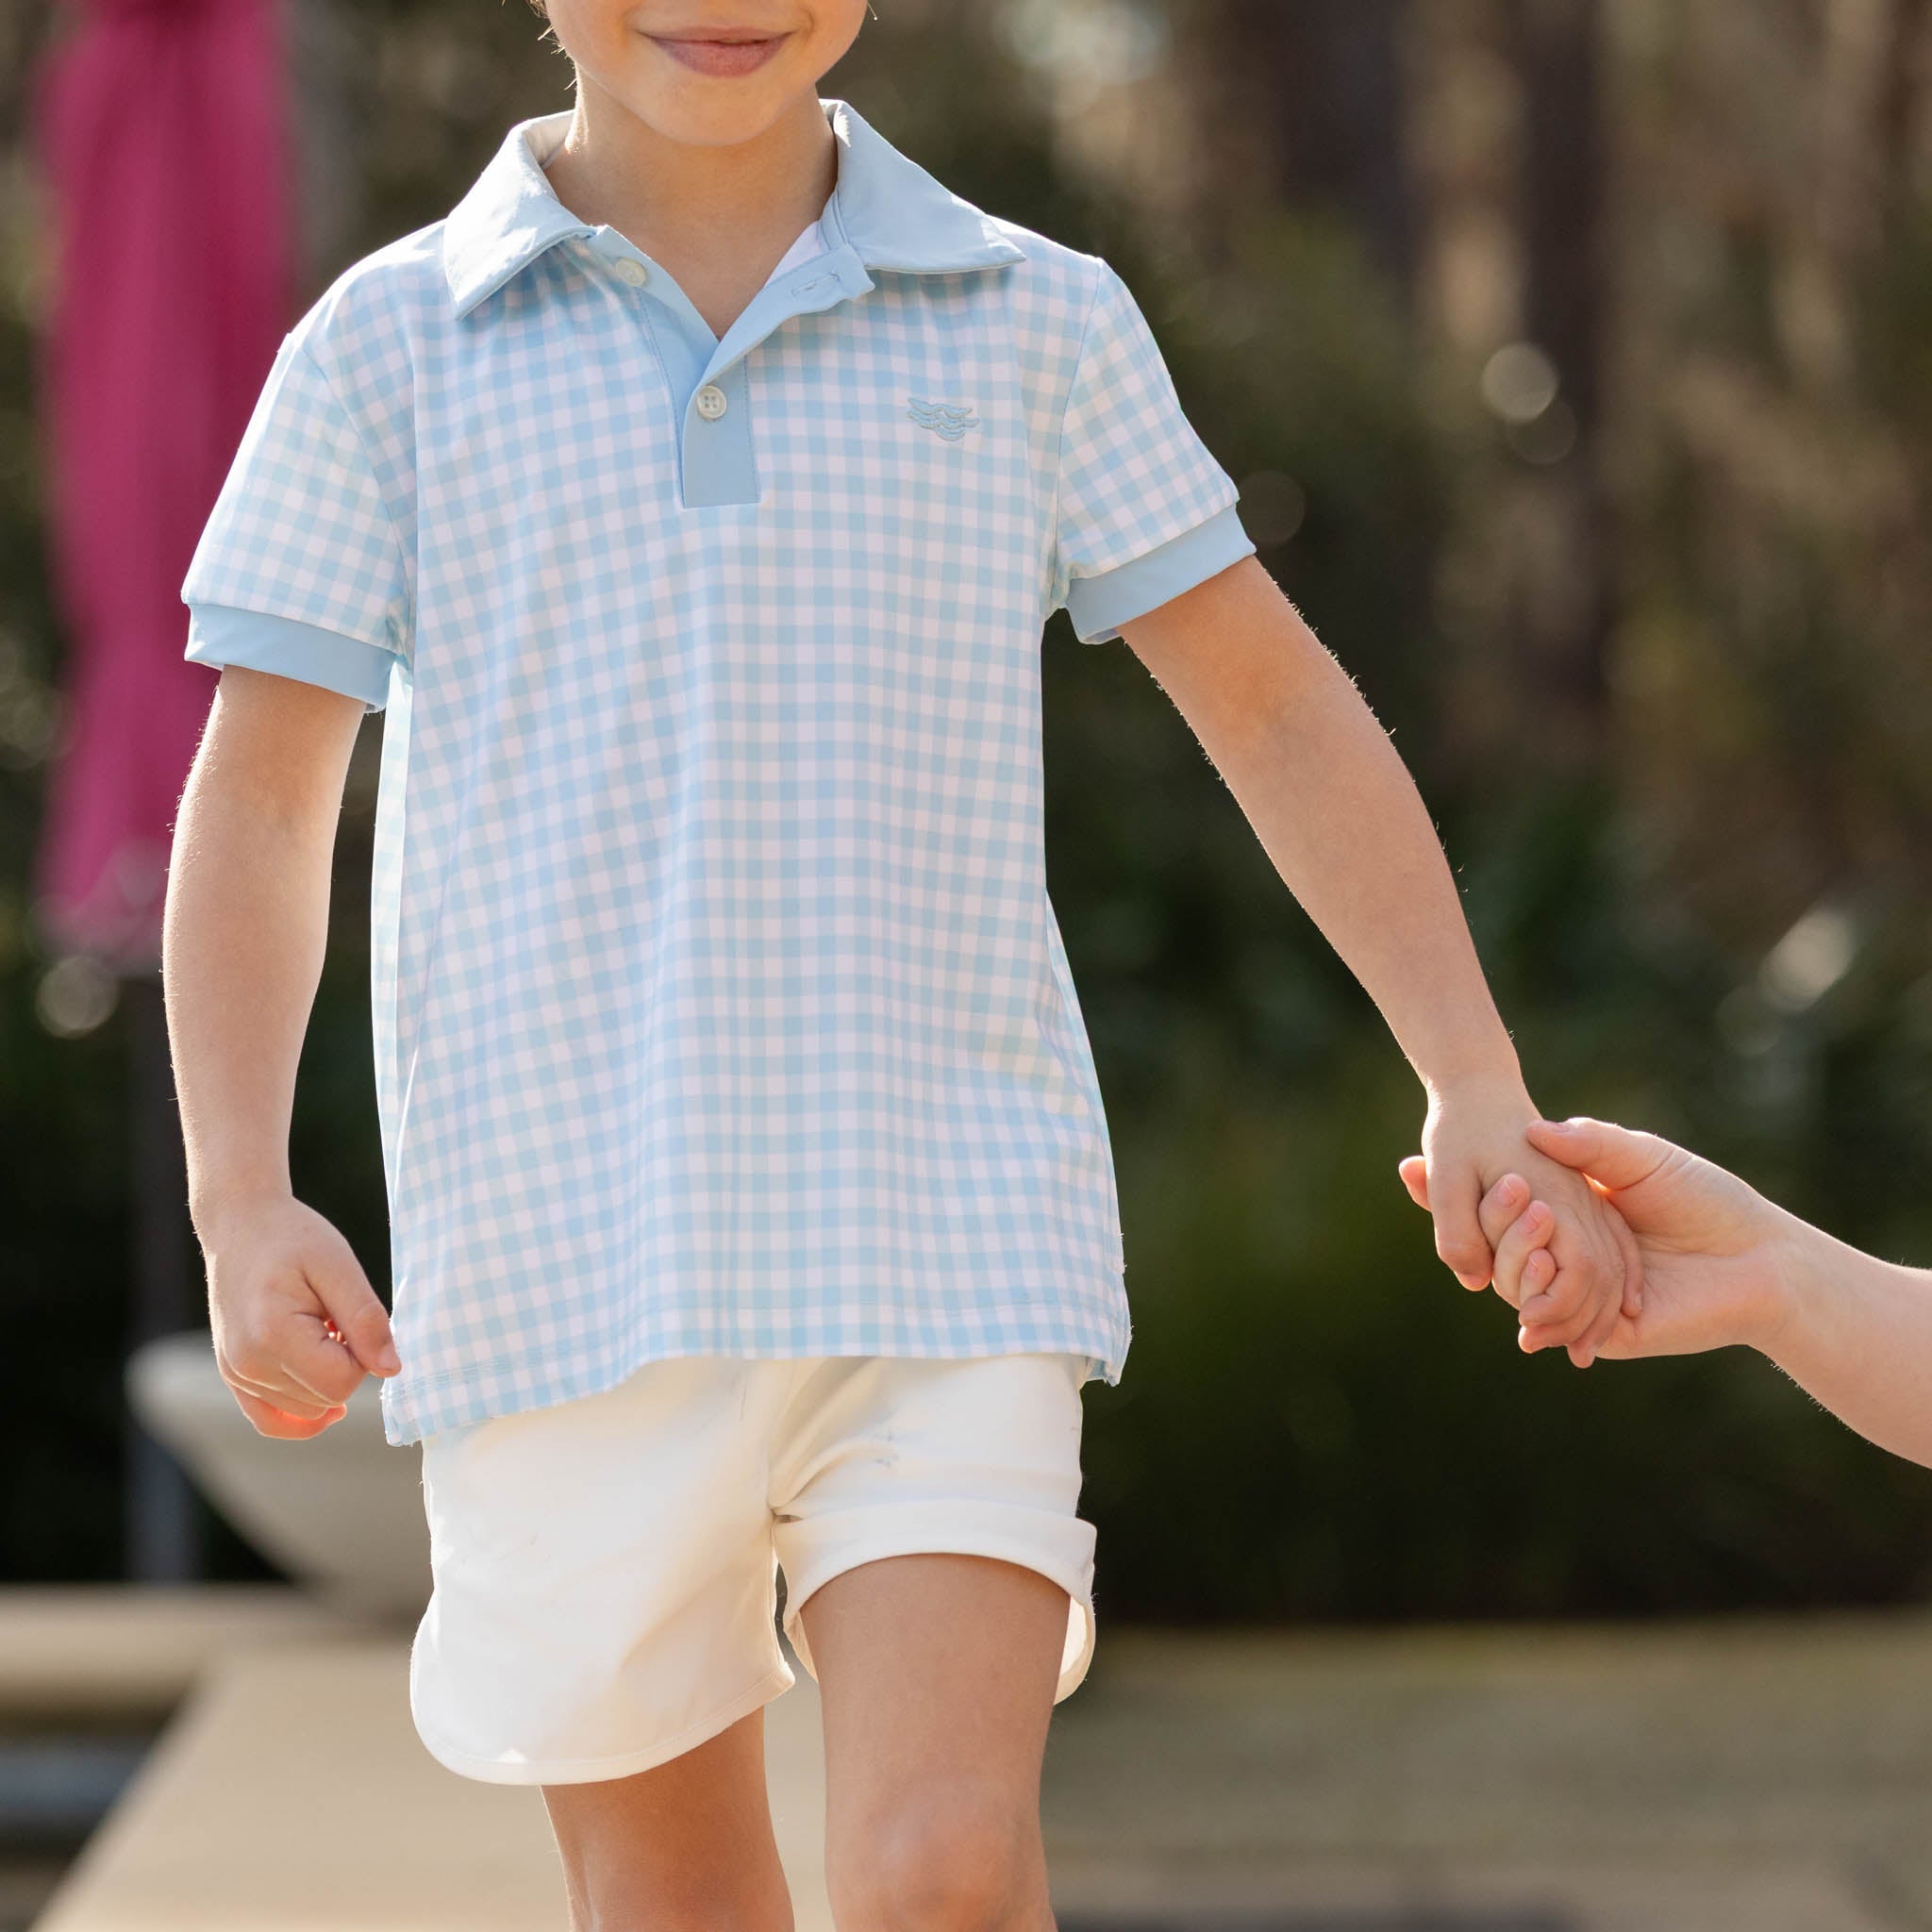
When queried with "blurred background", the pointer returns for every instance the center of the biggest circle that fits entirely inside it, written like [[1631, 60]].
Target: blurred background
[[1573, 362]]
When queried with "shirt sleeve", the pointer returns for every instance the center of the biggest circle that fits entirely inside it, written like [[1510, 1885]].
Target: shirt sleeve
[[222, 634], [301, 538], [1144, 512]]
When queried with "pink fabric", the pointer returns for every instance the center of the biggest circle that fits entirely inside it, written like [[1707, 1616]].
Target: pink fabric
[[162, 129]]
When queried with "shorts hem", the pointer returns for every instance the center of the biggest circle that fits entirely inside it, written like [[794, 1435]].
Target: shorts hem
[[570, 1771]]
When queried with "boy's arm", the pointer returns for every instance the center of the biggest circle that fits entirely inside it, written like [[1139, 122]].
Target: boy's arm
[[242, 939], [1339, 816]]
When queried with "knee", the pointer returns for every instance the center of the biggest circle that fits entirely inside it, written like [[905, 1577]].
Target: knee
[[949, 1862]]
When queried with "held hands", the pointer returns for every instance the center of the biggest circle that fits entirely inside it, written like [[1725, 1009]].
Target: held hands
[[1590, 1278], [296, 1324], [1711, 1246]]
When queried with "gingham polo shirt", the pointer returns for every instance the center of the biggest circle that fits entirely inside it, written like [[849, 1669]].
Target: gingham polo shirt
[[719, 1003]]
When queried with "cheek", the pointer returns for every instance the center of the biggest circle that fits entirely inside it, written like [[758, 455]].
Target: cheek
[[611, 35], [834, 26], [590, 32]]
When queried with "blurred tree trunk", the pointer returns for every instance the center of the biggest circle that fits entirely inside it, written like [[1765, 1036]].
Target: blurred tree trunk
[[1904, 81], [27, 29], [1556, 48], [1308, 106]]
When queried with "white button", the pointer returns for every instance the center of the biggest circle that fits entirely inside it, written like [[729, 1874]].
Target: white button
[[634, 272], [710, 402]]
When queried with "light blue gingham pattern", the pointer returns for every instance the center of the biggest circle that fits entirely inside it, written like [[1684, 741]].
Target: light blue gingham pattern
[[223, 634], [720, 1007]]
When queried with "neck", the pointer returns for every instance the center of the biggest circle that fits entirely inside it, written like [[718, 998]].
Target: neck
[[680, 198]]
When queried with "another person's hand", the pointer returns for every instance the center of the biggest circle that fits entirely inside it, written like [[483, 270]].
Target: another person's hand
[[1711, 1246], [296, 1324], [1475, 1134]]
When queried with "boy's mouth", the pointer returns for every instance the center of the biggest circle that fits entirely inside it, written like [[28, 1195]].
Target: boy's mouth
[[724, 51]]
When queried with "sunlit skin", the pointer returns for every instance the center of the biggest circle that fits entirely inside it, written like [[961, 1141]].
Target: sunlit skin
[[1723, 1267], [1711, 1246], [296, 1324]]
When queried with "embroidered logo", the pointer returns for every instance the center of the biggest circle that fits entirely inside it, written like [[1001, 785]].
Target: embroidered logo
[[950, 420]]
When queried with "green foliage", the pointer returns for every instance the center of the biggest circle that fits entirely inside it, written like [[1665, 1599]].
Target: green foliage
[[1315, 1420]]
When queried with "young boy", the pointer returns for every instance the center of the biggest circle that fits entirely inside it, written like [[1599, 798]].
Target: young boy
[[692, 496]]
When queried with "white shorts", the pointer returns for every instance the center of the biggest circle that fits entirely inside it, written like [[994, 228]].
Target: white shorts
[[606, 1569]]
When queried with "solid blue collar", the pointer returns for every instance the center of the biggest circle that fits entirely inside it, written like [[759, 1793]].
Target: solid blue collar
[[884, 205]]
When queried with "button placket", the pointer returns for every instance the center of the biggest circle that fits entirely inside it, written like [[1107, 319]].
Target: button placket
[[720, 470]]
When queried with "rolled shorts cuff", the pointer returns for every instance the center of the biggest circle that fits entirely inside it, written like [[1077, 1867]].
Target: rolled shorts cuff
[[1058, 1545]]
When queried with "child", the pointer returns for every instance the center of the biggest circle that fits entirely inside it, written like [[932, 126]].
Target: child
[[692, 496]]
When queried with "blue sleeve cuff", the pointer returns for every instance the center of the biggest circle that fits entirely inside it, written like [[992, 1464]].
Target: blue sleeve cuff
[[223, 634], [1098, 605]]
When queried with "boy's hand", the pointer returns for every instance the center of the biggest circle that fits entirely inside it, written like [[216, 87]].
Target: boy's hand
[[1710, 1243], [296, 1324], [1476, 1133]]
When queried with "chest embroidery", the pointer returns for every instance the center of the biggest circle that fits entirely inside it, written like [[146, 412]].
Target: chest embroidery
[[950, 420]]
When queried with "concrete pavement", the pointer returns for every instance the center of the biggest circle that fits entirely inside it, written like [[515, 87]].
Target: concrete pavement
[[1722, 1776], [1774, 1776]]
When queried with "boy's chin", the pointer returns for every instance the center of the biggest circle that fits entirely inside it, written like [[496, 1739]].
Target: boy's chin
[[695, 112]]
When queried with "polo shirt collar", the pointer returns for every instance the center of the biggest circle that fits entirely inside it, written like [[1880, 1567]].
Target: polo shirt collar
[[884, 205]]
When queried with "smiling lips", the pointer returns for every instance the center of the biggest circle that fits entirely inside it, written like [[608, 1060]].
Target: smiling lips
[[725, 51]]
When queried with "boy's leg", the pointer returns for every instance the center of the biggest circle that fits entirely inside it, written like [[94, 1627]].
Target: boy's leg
[[936, 1676], [686, 1846], [602, 1626]]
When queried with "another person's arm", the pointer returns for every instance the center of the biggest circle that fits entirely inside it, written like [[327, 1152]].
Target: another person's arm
[[244, 935], [1725, 1267], [1339, 816]]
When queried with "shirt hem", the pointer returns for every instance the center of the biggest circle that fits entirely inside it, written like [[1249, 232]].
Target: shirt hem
[[450, 1398]]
